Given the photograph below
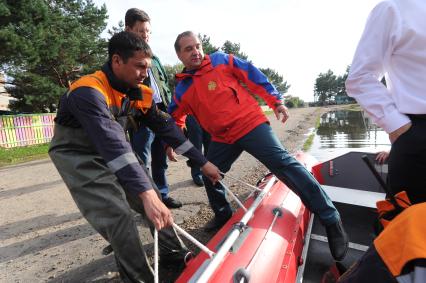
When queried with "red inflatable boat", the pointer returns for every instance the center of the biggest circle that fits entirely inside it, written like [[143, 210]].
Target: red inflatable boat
[[261, 243], [275, 239]]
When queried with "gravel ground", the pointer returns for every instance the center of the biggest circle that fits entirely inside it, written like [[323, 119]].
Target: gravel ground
[[44, 238]]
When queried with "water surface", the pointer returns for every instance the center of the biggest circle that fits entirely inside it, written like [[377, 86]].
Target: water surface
[[347, 130]]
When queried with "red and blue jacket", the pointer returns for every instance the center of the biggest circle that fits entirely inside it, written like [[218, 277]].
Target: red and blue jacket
[[219, 95]]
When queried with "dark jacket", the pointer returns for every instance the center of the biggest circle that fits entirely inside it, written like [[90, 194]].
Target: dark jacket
[[95, 103]]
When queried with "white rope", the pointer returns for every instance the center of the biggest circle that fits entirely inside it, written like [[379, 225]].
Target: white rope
[[233, 236], [242, 182], [240, 204], [156, 256], [194, 241]]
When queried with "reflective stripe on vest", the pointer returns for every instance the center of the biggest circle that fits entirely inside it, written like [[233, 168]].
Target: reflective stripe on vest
[[187, 145], [122, 161]]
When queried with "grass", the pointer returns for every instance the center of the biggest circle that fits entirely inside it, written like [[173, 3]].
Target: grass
[[22, 154], [352, 107], [15, 155], [317, 123], [308, 143]]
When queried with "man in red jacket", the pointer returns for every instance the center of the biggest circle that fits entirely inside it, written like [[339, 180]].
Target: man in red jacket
[[210, 89]]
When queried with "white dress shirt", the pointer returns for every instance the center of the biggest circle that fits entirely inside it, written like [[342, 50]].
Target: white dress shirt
[[393, 44], [156, 94]]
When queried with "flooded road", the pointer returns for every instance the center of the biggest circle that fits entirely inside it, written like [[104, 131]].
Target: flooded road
[[347, 130]]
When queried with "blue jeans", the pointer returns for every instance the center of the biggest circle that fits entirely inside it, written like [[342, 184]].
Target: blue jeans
[[262, 143], [151, 150], [199, 138]]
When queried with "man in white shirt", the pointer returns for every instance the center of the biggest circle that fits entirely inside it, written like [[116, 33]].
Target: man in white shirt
[[394, 45]]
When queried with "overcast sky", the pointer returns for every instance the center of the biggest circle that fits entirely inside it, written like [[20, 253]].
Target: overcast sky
[[297, 38]]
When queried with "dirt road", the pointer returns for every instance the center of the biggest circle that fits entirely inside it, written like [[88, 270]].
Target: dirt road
[[43, 237]]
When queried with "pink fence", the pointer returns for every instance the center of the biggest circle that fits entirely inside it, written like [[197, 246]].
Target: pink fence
[[24, 130]]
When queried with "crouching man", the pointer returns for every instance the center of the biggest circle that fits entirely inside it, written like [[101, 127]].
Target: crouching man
[[103, 175]]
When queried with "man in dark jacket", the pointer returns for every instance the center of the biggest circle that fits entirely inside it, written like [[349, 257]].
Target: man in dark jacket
[[146, 144], [210, 88], [97, 164]]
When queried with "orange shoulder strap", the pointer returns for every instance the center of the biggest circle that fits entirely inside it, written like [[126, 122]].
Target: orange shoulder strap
[[146, 101], [99, 81], [96, 80]]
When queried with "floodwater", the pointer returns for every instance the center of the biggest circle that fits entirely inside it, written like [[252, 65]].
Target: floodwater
[[340, 132], [347, 130]]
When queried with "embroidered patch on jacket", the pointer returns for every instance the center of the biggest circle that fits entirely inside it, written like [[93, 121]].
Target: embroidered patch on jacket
[[212, 85]]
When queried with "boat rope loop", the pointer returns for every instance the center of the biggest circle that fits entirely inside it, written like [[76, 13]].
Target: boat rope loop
[[277, 211], [240, 204], [194, 241], [241, 276], [240, 226]]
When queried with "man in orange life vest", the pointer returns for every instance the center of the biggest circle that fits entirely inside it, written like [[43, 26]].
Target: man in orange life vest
[[103, 175], [398, 253], [210, 89]]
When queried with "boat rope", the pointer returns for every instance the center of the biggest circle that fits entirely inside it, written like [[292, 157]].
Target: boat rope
[[194, 241], [156, 256], [242, 182], [277, 213], [255, 189], [238, 227], [240, 204], [233, 236]]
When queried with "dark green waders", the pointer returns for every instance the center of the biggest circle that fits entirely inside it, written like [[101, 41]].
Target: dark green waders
[[106, 206]]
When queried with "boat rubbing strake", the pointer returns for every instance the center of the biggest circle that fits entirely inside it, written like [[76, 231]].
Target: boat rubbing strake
[[262, 244]]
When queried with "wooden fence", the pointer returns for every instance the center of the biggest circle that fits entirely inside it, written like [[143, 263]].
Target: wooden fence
[[24, 130]]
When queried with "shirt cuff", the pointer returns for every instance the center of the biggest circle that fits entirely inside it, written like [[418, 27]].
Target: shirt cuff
[[393, 121]]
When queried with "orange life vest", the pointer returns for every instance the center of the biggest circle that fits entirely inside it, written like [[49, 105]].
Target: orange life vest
[[100, 82], [388, 209], [403, 239]]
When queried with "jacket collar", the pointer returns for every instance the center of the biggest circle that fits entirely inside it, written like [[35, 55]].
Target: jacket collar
[[113, 80], [205, 67]]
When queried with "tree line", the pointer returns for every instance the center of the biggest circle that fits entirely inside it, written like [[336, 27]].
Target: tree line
[[47, 44], [330, 89]]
